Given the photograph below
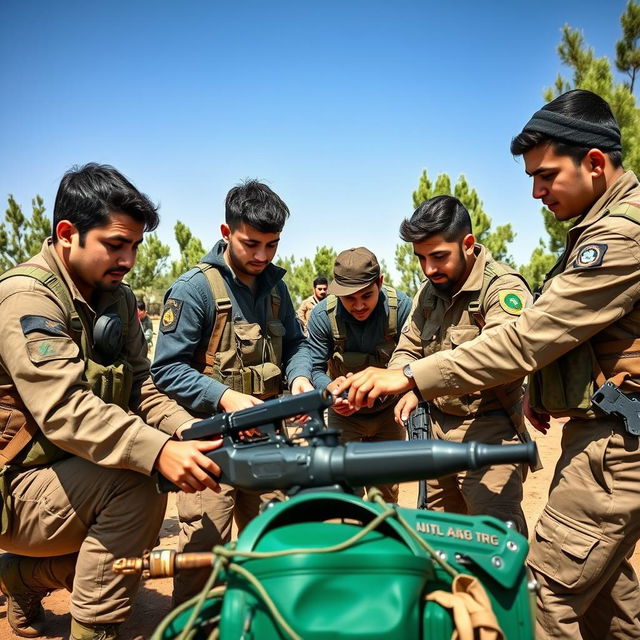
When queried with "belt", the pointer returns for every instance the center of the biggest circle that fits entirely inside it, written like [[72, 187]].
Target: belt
[[473, 414]]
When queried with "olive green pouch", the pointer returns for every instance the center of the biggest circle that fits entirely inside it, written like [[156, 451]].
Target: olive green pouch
[[113, 383]]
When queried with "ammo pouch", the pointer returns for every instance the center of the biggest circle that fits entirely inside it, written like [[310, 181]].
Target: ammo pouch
[[261, 379], [564, 387], [113, 383]]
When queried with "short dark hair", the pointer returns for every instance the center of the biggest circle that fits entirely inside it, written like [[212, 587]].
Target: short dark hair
[[141, 305], [320, 280], [257, 205], [579, 104], [444, 215], [88, 195]]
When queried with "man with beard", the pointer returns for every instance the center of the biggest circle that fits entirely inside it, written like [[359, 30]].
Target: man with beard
[[82, 426], [228, 338], [466, 292], [320, 285]]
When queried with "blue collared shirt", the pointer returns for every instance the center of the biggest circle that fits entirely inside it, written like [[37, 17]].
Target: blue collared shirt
[[172, 368]]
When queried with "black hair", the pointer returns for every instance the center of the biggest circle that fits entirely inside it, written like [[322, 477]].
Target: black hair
[[141, 305], [581, 105], [256, 205], [444, 215], [320, 280], [88, 195]]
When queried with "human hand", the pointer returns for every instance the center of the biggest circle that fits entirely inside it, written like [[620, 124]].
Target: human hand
[[368, 385], [301, 385], [539, 421], [186, 465], [340, 405], [235, 401], [183, 427], [404, 407]]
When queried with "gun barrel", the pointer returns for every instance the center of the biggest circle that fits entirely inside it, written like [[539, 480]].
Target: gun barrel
[[366, 463], [357, 463]]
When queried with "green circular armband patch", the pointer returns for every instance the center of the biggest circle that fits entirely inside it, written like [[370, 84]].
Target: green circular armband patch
[[512, 302]]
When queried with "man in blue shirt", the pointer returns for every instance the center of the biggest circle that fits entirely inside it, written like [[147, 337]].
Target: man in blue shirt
[[228, 338], [357, 325]]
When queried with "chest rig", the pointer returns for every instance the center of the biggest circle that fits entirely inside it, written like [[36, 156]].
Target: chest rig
[[241, 354], [565, 386], [21, 441], [342, 361]]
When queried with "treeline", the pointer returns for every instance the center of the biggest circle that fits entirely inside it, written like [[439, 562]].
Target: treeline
[[21, 236]]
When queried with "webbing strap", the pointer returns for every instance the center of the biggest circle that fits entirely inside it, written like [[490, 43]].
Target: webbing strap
[[392, 318], [223, 311], [49, 279], [20, 440]]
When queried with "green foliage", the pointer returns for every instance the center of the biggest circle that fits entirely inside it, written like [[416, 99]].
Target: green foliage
[[538, 267], [191, 250], [151, 265], [300, 275], [22, 237], [409, 269], [627, 50]]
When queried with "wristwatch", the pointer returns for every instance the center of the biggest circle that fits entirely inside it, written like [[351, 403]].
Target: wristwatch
[[407, 371]]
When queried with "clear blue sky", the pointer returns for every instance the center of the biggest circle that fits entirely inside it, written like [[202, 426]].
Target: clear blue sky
[[338, 106]]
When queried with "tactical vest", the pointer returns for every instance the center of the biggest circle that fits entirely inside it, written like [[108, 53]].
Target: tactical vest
[[21, 441], [564, 387], [238, 354], [511, 401], [341, 361]]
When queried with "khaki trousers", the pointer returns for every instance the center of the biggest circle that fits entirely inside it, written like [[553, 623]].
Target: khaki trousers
[[370, 427], [587, 532], [205, 521], [496, 490], [76, 507]]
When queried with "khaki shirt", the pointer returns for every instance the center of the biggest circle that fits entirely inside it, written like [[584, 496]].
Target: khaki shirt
[[305, 309], [438, 323], [588, 298], [47, 372]]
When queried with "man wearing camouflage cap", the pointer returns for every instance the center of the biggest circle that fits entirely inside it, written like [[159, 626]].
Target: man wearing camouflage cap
[[356, 326]]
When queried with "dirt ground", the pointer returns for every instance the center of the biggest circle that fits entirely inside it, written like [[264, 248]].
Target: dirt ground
[[154, 598]]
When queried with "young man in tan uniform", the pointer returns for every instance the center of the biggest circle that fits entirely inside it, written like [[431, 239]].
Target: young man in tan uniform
[[228, 337], [582, 330], [320, 286], [82, 425], [466, 292]]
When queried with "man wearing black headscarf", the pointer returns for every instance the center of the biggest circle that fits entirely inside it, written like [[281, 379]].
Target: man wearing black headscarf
[[583, 330]]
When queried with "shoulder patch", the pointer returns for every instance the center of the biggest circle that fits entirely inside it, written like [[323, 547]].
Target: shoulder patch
[[512, 302], [590, 255], [170, 315], [56, 348], [31, 324]]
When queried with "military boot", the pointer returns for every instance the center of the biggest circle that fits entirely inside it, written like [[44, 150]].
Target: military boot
[[81, 631], [25, 582]]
